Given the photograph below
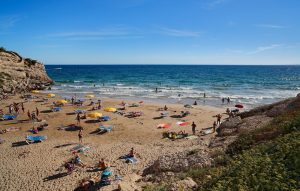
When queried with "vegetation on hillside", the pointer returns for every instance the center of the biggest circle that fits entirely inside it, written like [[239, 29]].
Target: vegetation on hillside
[[265, 159]]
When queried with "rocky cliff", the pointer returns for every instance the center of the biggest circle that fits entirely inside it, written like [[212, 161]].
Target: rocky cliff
[[19, 75]]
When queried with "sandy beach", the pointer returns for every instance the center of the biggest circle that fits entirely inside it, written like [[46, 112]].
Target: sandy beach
[[38, 166]]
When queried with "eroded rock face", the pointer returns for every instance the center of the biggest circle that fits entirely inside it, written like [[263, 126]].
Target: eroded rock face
[[18, 75], [179, 162]]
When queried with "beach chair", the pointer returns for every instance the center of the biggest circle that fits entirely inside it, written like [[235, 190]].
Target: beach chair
[[79, 111], [8, 117], [104, 129], [33, 139], [56, 109], [164, 114], [104, 118]]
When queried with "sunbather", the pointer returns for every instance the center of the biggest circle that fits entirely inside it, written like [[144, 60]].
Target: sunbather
[[86, 183], [70, 167], [77, 161], [34, 130], [103, 164]]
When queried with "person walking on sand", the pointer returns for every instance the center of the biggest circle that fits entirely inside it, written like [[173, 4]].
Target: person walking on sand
[[223, 100], [228, 100], [37, 111], [22, 106], [194, 128], [214, 126], [29, 115], [80, 135], [78, 118]]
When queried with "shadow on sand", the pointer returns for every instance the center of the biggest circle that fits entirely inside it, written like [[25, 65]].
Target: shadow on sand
[[19, 144], [56, 176]]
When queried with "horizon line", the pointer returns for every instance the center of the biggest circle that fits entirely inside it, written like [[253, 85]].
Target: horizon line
[[176, 64]]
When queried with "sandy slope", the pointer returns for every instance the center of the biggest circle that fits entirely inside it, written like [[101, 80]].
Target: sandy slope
[[37, 166]]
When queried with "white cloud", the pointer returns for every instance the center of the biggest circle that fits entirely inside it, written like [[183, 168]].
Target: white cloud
[[106, 33], [216, 2], [8, 21], [264, 48], [179, 33], [270, 26]]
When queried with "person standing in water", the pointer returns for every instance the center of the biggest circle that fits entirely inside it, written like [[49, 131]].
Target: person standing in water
[[194, 128]]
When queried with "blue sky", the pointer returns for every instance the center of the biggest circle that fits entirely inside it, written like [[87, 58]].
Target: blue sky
[[153, 31]]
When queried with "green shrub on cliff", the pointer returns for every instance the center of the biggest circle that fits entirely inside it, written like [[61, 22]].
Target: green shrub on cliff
[[2, 49], [266, 159]]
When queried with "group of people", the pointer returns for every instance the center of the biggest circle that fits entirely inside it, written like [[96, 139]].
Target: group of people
[[33, 115], [15, 108], [226, 99]]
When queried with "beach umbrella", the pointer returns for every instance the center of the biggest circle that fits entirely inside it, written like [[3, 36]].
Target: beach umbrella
[[180, 123], [35, 91], [239, 106], [62, 101], [90, 96], [164, 125], [94, 115], [110, 109], [51, 95]]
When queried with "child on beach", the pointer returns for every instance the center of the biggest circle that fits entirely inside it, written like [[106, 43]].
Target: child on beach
[[194, 128], [78, 119], [219, 116]]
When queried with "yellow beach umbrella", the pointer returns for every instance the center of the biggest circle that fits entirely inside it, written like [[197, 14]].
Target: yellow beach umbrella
[[94, 115], [51, 95], [90, 96], [35, 91], [61, 101], [110, 109]]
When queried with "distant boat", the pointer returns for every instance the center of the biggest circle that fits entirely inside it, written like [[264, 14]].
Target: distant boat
[[57, 68]]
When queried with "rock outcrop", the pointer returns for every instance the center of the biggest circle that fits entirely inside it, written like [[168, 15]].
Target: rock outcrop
[[179, 162], [19, 75]]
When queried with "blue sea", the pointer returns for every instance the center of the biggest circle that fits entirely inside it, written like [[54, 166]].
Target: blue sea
[[248, 85]]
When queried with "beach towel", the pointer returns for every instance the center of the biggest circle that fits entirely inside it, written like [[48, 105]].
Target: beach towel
[[191, 137], [181, 123], [107, 128], [134, 105], [207, 131], [164, 125], [188, 106], [80, 148], [32, 139], [12, 129]]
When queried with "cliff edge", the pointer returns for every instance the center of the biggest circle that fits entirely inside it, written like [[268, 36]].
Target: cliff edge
[[19, 75]]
